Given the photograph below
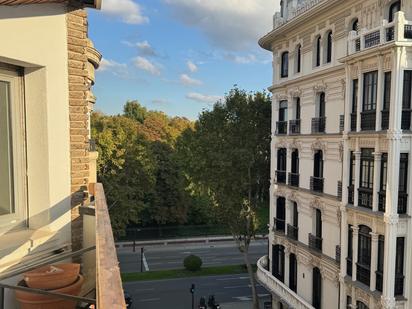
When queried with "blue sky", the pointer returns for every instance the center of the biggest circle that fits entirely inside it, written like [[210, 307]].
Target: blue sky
[[179, 56]]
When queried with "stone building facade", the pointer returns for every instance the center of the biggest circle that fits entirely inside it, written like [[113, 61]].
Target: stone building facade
[[340, 229]]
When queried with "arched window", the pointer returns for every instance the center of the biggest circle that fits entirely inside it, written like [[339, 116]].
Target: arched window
[[284, 71], [328, 47], [281, 166], [278, 262], [298, 59], [355, 25], [316, 288], [393, 9], [318, 42], [280, 214], [364, 255], [318, 164], [294, 175], [321, 106]]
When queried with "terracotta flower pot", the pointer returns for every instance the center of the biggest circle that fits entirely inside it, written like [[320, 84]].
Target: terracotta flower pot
[[29, 300], [52, 277]]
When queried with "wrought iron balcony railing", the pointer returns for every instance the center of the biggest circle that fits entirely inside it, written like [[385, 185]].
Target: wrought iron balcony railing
[[406, 120], [318, 125], [341, 123], [365, 197], [353, 119], [349, 266], [282, 127], [294, 180], [368, 120], [281, 177], [385, 120], [379, 281], [402, 202], [399, 285], [338, 253], [315, 242], [294, 126], [351, 196], [339, 190], [316, 184], [293, 232], [363, 274], [279, 225]]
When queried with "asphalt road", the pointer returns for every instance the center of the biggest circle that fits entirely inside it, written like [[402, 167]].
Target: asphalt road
[[174, 293], [171, 256]]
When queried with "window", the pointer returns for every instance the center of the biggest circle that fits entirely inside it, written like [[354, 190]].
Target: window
[[329, 42], [364, 255], [387, 91], [355, 25], [393, 9], [352, 169], [350, 251], [280, 214], [284, 72], [316, 288], [283, 110], [278, 262], [384, 172], [348, 302], [367, 163], [355, 96], [406, 101], [318, 223], [297, 109], [298, 61], [295, 215], [12, 162], [322, 101], [370, 91], [282, 159], [318, 164], [317, 51], [399, 265], [293, 272], [295, 161], [381, 256], [360, 305], [403, 173]]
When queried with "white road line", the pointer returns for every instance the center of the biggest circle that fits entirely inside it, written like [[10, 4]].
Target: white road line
[[228, 279], [146, 266], [148, 300], [237, 287]]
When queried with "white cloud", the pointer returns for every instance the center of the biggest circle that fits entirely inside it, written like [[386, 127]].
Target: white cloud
[[160, 101], [242, 59], [116, 68], [146, 49], [189, 81], [128, 11], [230, 24], [146, 65], [192, 67], [203, 98]]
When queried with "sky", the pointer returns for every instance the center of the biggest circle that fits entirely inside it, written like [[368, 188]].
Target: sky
[[179, 56]]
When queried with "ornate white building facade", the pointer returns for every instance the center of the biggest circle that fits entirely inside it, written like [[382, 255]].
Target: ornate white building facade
[[340, 230]]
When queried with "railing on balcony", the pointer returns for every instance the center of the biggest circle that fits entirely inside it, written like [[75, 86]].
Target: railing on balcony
[[281, 176], [365, 197], [277, 287], [379, 281], [402, 202], [341, 123], [351, 195], [385, 120], [318, 125], [294, 126], [368, 120], [406, 119], [293, 232], [339, 190], [338, 254], [316, 184], [315, 242], [281, 127], [363, 274], [294, 180], [349, 266], [399, 285], [353, 119], [372, 39], [109, 289], [408, 32], [279, 225]]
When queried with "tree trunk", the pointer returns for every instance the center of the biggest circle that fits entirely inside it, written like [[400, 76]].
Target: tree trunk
[[252, 279]]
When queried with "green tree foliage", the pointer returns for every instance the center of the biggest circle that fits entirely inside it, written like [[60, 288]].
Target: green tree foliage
[[228, 155], [135, 111]]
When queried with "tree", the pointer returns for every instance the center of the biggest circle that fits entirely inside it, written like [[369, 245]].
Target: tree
[[228, 154], [134, 110]]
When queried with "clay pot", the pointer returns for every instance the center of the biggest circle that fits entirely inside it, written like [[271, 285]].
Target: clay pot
[[29, 300], [52, 276]]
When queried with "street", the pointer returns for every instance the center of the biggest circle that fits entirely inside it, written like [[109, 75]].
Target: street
[[171, 256], [175, 294]]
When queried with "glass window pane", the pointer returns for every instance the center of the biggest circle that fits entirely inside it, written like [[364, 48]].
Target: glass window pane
[[6, 175]]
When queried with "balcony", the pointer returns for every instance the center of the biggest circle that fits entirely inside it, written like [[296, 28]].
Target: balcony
[[294, 180], [351, 196], [363, 274], [279, 225], [368, 120], [385, 120], [349, 266], [341, 123], [399, 30], [281, 177], [316, 184], [281, 127], [339, 190], [379, 281], [365, 197], [318, 125], [406, 120], [277, 287], [338, 253], [294, 126], [399, 285], [353, 119], [402, 202], [315, 242], [293, 232]]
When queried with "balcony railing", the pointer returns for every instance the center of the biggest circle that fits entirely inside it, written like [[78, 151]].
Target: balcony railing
[[338, 254], [341, 123], [294, 126], [294, 180], [316, 184], [365, 197], [277, 287], [281, 176], [353, 119], [379, 281], [282, 127], [293, 232], [339, 190], [399, 285], [279, 225], [315, 242], [402, 202], [363, 274], [385, 120], [318, 125], [351, 196], [349, 266], [408, 32], [368, 120], [406, 120]]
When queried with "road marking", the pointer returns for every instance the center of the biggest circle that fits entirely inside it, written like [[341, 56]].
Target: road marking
[[263, 295], [243, 298], [237, 287], [148, 300], [146, 266], [228, 279]]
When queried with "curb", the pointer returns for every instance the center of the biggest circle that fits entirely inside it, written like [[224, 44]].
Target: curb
[[165, 242]]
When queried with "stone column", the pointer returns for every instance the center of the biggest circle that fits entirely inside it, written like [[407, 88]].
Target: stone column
[[379, 101], [360, 97], [376, 178], [357, 177], [374, 260], [355, 233]]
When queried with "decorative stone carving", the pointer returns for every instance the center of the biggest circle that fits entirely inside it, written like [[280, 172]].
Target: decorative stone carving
[[317, 204], [296, 93], [341, 152], [388, 302], [362, 296], [394, 135], [295, 144], [391, 219], [320, 88], [282, 143], [319, 145], [281, 97]]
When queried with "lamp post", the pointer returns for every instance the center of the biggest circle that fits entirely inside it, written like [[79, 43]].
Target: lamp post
[[192, 291]]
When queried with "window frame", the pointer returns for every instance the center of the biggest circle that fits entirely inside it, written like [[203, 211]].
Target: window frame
[[329, 47], [370, 91], [14, 77], [284, 67]]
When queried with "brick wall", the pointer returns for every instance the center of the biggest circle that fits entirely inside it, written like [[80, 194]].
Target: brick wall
[[78, 89]]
